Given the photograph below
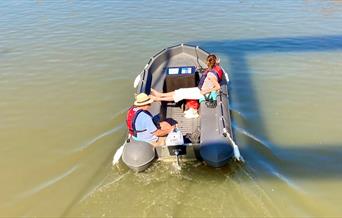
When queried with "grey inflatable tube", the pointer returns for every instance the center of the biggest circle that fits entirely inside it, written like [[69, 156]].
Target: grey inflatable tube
[[216, 153], [138, 155]]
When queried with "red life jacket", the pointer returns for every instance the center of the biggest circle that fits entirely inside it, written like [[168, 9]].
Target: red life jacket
[[219, 72], [132, 115]]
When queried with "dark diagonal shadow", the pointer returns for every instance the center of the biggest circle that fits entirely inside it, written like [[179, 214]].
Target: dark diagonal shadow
[[296, 160]]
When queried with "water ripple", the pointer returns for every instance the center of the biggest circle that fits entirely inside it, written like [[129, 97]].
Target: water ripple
[[49, 182], [102, 135]]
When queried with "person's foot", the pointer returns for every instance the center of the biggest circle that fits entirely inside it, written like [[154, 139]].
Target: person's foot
[[155, 93], [154, 98]]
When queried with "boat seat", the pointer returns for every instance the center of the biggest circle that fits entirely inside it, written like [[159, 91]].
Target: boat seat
[[180, 77]]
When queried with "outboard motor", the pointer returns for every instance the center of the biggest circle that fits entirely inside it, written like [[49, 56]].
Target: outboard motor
[[138, 155], [175, 142]]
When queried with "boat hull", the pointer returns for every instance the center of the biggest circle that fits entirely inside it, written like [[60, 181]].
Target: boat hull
[[211, 145], [138, 155]]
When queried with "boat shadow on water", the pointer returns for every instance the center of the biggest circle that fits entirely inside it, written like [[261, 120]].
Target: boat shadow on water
[[262, 155]]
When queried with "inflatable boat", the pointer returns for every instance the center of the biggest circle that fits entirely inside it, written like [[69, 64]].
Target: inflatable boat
[[207, 137]]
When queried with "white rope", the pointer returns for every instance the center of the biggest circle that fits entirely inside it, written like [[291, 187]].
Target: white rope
[[119, 152], [137, 80], [237, 154]]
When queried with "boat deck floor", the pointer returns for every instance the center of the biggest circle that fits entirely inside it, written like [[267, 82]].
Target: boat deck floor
[[190, 130], [186, 126]]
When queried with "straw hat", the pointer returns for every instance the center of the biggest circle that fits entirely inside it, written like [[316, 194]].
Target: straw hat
[[142, 99]]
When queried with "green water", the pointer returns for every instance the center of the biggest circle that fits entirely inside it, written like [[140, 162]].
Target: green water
[[66, 81]]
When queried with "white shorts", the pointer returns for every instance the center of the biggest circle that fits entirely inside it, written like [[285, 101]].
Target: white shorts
[[187, 93]]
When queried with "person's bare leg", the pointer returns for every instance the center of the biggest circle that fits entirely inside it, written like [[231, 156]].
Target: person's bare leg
[[167, 98], [168, 95], [161, 95], [154, 98], [155, 93]]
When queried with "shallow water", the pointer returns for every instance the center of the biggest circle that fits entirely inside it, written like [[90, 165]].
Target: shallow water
[[66, 74]]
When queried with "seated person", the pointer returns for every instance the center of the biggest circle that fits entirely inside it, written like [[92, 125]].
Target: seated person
[[208, 83], [214, 63], [192, 105], [140, 122], [213, 66]]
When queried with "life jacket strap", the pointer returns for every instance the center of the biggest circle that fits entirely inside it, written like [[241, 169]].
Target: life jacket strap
[[135, 131]]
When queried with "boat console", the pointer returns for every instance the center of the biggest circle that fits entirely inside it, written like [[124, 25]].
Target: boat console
[[180, 77]]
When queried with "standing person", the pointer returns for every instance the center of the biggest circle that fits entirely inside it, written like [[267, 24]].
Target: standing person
[[140, 122]]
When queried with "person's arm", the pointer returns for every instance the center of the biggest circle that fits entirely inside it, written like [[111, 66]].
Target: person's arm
[[160, 132], [165, 128], [147, 123]]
